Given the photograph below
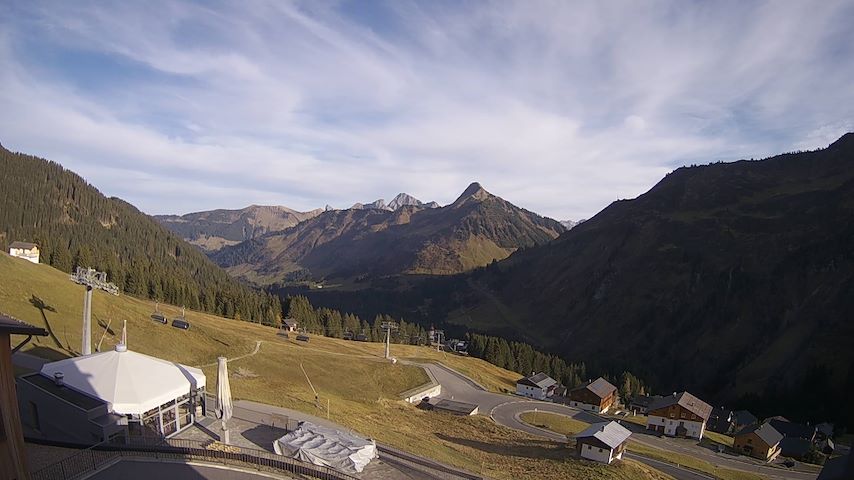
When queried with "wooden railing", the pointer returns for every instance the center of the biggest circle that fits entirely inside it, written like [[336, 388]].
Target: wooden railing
[[102, 455]]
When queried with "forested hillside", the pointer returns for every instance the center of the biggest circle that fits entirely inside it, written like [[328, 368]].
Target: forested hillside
[[74, 224], [734, 280]]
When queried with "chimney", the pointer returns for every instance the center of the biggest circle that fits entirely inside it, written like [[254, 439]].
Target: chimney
[[59, 379]]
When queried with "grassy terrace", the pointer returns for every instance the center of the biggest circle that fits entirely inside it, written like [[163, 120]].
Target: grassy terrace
[[554, 422], [361, 387]]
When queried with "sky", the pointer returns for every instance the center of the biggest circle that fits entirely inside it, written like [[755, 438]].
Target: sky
[[559, 107]]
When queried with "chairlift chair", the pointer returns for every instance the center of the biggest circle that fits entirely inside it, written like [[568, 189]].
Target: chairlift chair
[[157, 316], [182, 324]]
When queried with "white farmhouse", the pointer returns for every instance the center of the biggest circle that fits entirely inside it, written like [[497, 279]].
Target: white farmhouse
[[25, 250], [539, 386], [679, 415], [602, 442]]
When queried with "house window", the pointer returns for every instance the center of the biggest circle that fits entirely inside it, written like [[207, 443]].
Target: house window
[[683, 414], [600, 450], [749, 440], [589, 447]]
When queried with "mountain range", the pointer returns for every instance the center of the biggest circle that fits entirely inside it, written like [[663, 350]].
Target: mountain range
[[359, 243], [400, 200], [211, 230], [733, 280], [214, 229]]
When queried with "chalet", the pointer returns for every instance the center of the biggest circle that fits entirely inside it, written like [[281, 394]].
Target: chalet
[[25, 250], [720, 420], [758, 441], [594, 395], [797, 438], [741, 419], [289, 325], [679, 415], [539, 386], [640, 403], [602, 442]]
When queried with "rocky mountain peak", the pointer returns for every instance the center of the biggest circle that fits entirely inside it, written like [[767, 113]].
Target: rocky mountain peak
[[474, 192], [402, 199]]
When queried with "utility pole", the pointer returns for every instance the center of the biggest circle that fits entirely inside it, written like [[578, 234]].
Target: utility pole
[[91, 279], [388, 327]]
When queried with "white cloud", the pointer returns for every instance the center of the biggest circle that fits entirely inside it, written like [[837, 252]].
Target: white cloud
[[560, 107]]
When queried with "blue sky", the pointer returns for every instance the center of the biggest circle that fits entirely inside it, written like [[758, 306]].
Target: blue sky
[[560, 107]]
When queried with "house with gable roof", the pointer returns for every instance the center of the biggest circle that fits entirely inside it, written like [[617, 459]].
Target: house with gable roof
[[679, 415]]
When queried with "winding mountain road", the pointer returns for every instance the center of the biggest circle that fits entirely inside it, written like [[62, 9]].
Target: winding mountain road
[[506, 410]]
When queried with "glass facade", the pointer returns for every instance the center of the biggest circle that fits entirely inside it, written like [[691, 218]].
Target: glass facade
[[167, 419]]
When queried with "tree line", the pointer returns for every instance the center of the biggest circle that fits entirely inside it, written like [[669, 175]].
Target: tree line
[[75, 225], [522, 358], [332, 323]]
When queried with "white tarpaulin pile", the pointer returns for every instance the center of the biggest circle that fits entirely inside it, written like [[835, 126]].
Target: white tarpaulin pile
[[327, 447]]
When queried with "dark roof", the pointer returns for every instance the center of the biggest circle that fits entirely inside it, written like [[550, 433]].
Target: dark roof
[[765, 431], [84, 402], [792, 430], [24, 245], [794, 447], [743, 417], [837, 468], [825, 428], [540, 380], [644, 400], [13, 325], [599, 387], [685, 400], [455, 407]]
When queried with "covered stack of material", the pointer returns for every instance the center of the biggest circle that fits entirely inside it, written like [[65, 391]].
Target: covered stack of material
[[327, 447]]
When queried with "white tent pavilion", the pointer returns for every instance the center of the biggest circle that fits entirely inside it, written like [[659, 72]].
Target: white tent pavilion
[[156, 396], [327, 447]]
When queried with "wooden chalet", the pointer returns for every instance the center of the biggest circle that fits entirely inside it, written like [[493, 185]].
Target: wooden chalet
[[594, 395], [679, 415], [758, 441]]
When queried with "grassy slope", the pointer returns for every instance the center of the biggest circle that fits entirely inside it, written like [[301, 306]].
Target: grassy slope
[[361, 388]]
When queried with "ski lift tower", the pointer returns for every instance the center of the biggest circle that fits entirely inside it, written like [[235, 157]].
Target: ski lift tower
[[388, 327], [91, 279]]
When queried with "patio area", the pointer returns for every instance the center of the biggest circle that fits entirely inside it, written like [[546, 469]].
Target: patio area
[[252, 430]]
